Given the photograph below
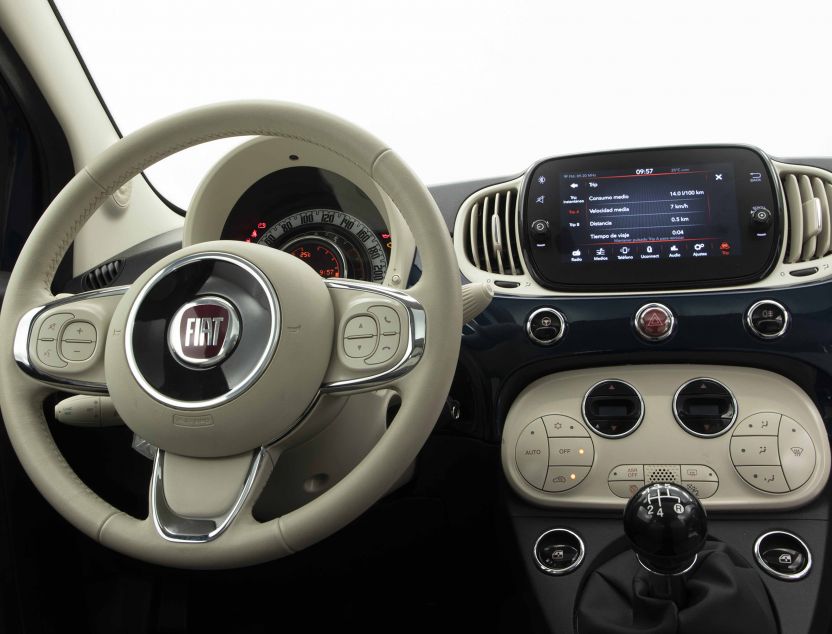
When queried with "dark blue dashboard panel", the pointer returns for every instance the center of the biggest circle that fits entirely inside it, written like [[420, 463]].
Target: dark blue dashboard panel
[[710, 329]]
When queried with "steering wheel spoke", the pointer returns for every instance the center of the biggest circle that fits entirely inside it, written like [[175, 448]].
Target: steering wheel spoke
[[195, 500], [61, 343], [379, 338]]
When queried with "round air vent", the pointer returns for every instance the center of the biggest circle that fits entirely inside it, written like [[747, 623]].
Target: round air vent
[[613, 408]]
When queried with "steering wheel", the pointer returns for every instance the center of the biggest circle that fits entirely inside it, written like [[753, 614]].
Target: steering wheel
[[201, 354]]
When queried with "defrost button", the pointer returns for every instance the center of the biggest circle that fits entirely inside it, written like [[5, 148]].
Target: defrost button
[[797, 453]]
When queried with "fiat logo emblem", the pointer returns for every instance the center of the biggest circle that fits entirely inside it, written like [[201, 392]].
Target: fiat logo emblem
[[203, 332]]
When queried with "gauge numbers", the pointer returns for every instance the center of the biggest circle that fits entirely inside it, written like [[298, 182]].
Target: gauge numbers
[[334, 243]]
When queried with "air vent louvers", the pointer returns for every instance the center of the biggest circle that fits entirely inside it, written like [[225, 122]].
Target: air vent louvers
[[493, 241], [102, 275], [810, 225]]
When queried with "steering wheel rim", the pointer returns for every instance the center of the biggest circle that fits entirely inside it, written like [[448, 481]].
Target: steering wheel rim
[[246, 541]]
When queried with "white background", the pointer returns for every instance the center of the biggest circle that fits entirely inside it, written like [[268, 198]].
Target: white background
[[466, 90]]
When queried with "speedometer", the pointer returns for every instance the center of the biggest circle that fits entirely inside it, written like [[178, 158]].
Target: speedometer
[[334, 243]]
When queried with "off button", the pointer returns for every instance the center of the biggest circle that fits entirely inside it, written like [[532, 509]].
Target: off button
[[654, 322]]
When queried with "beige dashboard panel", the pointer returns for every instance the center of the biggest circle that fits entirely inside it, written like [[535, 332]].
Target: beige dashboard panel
[[245, 165], [603, 472]]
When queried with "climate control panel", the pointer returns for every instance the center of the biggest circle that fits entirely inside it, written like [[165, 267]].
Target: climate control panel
[[734, 437]]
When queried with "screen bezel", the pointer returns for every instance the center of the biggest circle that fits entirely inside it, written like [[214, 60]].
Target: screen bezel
[[758, 258]]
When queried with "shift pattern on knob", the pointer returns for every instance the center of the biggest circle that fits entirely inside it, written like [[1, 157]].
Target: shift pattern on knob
[[666, 526]]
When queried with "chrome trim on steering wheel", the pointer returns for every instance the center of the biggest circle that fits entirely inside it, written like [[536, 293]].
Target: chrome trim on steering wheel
[[415, 341], [23, 334], [187, 530], [268, 346]]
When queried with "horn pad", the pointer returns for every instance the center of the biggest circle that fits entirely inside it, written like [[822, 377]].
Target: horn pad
[[219, 348]]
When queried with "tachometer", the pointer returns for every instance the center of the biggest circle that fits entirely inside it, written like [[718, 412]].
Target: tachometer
[[334, 243]]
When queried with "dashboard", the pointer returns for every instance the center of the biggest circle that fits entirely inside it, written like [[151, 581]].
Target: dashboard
[[659, 315]]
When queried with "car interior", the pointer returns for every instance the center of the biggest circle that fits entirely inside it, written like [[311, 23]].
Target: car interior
[[591, 396]]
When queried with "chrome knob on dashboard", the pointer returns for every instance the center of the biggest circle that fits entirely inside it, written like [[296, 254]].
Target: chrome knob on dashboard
[[666, 526]]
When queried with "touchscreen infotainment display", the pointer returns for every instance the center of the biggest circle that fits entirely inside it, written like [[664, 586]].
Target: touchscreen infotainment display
[[649, 213], [657, 218]]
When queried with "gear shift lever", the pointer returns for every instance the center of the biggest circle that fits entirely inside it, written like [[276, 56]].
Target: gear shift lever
[[668, 591], [667, 527]]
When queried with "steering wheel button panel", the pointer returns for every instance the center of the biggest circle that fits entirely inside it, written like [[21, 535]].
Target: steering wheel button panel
[[51, 326], [571, 451], [532, 453], [77, 350], [79, 331], [360, 348], [388, 320], [754, 450], [762, 424], [388, 345], [559, 479], [360, 327], [47, 353]]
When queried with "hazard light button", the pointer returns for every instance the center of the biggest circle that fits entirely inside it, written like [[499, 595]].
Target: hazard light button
[[654, 322]]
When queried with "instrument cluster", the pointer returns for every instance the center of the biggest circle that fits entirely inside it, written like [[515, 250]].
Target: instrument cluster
[[319, 217]]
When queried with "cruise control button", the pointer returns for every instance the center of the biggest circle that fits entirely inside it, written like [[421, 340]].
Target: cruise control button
[[360, 347], [557, 425], [77, 350], [532, 453], [47, 353], [769, 479], [762, 424], [701, 490], [627, 472], [361, 326], [387, 346], [560, 479], [625, 488], [797, 453], [754, 450], [571, 451]]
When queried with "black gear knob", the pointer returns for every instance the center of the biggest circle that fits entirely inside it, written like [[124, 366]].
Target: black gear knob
[[666, 526]]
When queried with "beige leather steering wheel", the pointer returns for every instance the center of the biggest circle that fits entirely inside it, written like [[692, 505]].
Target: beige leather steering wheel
[[217, 354]]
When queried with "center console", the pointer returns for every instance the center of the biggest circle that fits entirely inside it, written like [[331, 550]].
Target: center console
[[737, 438], [659, 339]]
